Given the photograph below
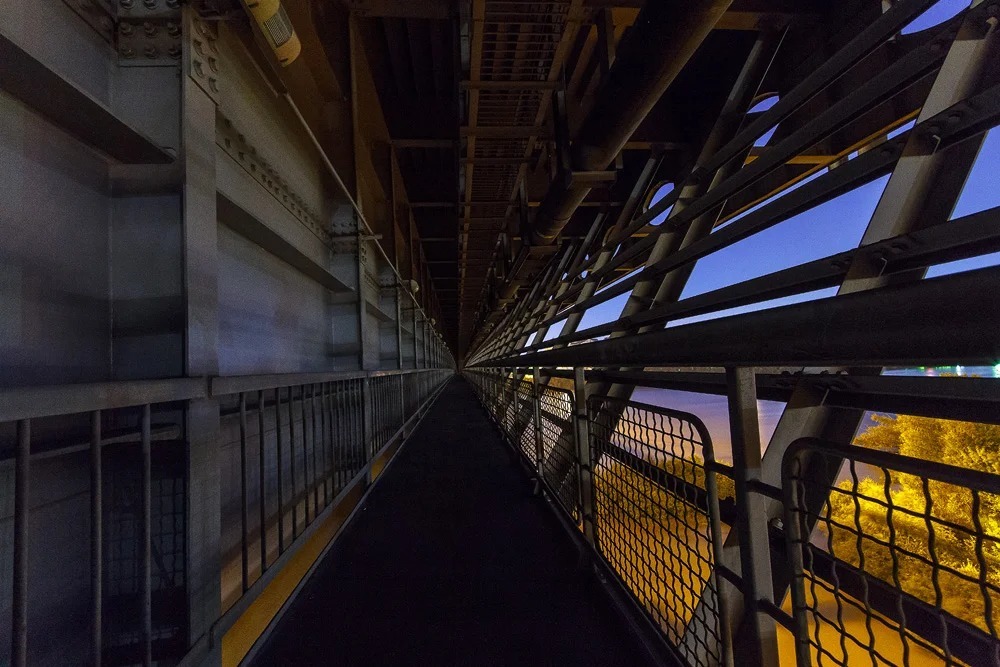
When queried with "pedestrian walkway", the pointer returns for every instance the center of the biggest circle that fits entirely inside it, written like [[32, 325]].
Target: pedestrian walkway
[[452, 561]]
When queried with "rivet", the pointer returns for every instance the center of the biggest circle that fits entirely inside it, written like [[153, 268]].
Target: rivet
[[126, 4], [174, 52], [127, 52], [213, 64], [173, 29], [149, 4], [125, 29], [149, 28], [173, 4], [149, 52]]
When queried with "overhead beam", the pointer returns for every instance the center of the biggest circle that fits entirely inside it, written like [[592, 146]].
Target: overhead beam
[[424, 143], [906, 324], [510, 85], [515, 132], [72, 109]]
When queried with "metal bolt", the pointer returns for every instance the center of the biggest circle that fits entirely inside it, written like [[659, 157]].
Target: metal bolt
[[150, 4], [127, 52], [125, 29], [174, 52], [149, 52], [149, 29], [173, 29], [126, 4], [173, 4]]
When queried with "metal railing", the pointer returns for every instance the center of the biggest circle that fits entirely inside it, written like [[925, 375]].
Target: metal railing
[[873, 557], [637, 491], [291, 447], [880, 558]]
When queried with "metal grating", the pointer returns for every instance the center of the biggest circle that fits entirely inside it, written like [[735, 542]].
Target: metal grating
[[518, 40], [653, 519], [896, 560]]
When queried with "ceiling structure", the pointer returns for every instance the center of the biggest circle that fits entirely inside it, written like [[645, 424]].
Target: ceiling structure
[[517, 126]]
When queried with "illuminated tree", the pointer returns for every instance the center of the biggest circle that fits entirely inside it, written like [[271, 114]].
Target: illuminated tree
[[875, 510]]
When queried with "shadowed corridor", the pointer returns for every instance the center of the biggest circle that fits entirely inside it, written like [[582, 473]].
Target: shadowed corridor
[[451, 561]]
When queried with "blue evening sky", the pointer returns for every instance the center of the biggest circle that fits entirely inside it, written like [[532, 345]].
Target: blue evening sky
[[835, 226]]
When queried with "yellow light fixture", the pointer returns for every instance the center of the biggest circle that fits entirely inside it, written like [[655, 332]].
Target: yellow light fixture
[[273, 20]]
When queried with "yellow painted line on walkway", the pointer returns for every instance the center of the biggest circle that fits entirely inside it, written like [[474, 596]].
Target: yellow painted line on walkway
[[240, 638]]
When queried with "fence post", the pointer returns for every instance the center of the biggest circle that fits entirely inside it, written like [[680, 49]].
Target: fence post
[[366, 425], [581, 434], [510, 404], [760, 644], [536, 409]]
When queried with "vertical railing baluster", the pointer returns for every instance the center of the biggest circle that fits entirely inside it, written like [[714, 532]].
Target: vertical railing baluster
[[261, 478], [19, 598], [147, 538], [281, 486], [96, 539], [581, 433], [536, 401], [315, 441], [325, 426], [244, 502], [335, 439], [366, 418], [308, 435], [291, 462], [352, 428]]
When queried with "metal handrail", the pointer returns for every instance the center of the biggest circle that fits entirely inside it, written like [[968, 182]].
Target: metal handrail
[[802, 494], [18, 403]]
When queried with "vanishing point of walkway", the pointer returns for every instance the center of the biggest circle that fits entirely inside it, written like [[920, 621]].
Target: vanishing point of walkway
[[451, 561]]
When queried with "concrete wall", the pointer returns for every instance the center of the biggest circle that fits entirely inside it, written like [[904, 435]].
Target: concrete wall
[[272, 318]]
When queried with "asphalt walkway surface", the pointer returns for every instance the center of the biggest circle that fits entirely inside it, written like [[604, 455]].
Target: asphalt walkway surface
[[451, 561]]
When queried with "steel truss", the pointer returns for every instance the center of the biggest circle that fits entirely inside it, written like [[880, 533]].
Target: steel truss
[[823, 357]]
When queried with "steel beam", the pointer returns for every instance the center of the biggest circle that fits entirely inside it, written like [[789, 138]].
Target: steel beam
[[896, 325]]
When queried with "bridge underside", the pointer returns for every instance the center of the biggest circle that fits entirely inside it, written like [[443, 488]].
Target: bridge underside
[[723, 274]]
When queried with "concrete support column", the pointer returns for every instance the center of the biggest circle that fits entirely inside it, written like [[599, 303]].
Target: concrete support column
[[200, 259]]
